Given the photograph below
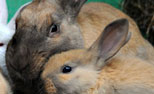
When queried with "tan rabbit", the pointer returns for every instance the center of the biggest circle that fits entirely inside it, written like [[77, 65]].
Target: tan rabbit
[[4, 85], [47, 27], [92, 14], [92, 71]]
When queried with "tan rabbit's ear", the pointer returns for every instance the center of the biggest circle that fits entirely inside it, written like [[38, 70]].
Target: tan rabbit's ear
[[114, 37], [71, 7]]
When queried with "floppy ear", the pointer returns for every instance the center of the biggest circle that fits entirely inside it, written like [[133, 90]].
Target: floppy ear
[[11, 24], [114, 37], [3, 12], [71, 7]]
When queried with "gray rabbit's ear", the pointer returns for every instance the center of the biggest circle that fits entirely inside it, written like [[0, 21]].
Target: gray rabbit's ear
[[11, 23], [114, 37], [3, 12], [71, 7]]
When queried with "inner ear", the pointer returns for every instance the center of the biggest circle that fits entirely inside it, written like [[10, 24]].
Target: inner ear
[[114, 36], [71, 7]]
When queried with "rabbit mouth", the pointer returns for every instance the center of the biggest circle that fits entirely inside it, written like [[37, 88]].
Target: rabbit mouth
[[1, 44]]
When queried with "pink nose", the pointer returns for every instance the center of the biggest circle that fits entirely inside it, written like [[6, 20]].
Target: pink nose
[[1, 44]]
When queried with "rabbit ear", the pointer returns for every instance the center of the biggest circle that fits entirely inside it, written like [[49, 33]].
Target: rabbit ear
[[3, 12], [11, 24], [114, 37], [71, 7]]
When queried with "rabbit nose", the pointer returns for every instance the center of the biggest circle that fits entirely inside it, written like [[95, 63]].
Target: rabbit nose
[[1, 44]]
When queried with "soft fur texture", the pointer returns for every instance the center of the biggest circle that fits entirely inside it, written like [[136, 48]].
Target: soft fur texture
[[33, 43], [6, 33], [5, 36], [96, 71]]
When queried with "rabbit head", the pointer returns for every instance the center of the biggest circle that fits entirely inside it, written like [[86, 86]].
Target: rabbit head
[[43, 28], [5, 32], [75, 71], [5, 37]]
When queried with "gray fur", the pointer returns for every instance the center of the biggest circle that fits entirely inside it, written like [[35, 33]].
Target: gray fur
[[31, 46], [71, 7]]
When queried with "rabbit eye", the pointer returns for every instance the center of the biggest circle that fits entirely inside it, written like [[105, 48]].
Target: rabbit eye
[[1, 44], [67, 69], [53, 29]]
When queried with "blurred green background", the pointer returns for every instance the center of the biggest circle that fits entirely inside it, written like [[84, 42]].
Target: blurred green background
[[13, 5]]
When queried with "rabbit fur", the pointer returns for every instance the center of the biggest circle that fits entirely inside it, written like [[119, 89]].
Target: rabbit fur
[[47, 27], [96, 71], [6, 31]]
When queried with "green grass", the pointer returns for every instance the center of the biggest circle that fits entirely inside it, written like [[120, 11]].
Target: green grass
[[13, 5]]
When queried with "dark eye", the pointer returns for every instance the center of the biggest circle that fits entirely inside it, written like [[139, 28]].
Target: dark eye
[[1, 44], [67, 69], [53, 30]]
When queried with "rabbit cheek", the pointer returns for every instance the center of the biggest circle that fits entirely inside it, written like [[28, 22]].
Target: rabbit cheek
[[50, 88], [64, 78], [81, 77], [55, 35]]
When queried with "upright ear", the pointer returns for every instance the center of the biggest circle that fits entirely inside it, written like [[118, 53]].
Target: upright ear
[[3, 12], [71, 7], [114, 37], [11, 24]]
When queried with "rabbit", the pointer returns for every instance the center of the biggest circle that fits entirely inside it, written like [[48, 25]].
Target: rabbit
[[6, 32], [95, 70], [46, 27], [4, 84]]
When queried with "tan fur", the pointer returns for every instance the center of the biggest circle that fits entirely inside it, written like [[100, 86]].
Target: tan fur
[[121, 72], [125, 71], [96, 71], [92, 19], [4, 85], [95, 16], [33, 14]]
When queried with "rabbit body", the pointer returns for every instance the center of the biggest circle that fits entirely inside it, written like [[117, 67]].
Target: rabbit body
[[125, 75], [96, 71]]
